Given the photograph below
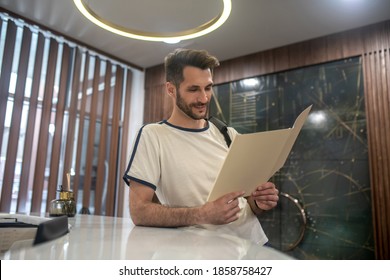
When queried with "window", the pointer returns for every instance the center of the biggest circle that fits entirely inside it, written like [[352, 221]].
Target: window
[[61, 112]]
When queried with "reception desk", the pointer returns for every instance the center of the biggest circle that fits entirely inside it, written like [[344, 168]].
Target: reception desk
[[109, 238]]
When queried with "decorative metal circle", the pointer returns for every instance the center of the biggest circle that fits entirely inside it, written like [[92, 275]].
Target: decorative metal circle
[[302, 216]]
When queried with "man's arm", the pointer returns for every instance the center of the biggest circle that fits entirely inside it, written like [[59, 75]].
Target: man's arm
[[264, 197], [145, 212]]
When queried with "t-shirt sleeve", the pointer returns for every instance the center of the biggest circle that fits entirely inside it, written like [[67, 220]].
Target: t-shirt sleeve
[[144, 162]]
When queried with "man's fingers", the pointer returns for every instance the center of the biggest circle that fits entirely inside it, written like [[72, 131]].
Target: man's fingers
[[266, 189], [232, 215], [233, 196]]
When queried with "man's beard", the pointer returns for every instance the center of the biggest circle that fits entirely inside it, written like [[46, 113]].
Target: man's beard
[[187, 108]]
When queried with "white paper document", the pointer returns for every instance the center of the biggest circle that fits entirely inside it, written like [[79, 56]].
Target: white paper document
[[255, 157]]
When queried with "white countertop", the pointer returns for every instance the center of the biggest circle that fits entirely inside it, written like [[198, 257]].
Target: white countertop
[[109, 238]]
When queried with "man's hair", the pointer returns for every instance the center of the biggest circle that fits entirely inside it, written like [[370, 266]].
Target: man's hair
[[179, 58]]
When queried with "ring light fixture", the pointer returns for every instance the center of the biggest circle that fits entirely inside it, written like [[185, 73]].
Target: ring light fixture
[[168, 37]]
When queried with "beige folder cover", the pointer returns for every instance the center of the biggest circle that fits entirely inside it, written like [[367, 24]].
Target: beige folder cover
[[254, 158]]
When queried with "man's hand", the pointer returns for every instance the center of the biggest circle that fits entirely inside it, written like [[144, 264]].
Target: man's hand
[[221, 211], [144, 210], [264, 197]]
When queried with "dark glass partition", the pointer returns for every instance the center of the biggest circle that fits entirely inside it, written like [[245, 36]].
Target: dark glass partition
[[325, 206]]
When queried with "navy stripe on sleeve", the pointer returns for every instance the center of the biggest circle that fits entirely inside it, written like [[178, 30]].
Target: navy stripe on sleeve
[[128, 178]]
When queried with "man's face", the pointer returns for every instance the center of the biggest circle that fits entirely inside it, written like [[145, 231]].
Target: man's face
[[194, 93]]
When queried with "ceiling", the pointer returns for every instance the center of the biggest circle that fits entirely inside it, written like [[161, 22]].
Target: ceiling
[[253, 26]]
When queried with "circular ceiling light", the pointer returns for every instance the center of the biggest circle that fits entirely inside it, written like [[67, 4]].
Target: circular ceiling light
[[168, 37]]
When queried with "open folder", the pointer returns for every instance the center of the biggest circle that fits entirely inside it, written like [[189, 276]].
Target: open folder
[[254, 158]]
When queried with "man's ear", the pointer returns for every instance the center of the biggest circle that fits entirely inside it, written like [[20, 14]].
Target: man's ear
[[171, 89]]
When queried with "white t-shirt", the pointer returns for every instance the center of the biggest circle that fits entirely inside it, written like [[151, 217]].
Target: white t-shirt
[[181, 165]]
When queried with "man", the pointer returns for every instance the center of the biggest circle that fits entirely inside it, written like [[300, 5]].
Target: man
[[174, 163]]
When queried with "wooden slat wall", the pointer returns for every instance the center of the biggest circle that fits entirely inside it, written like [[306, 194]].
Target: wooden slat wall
[[113, 172], [325, 49], [6, 66], [101, 168], [72, 109], [377, 84], [91, 135], [65, 94], [5, 77], [13, 142], [81, 113], [158, 105], [372, 42], [40, 164], [32, 112], [59, 121]]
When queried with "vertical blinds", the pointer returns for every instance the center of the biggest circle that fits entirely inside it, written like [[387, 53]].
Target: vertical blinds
[[63, 109]]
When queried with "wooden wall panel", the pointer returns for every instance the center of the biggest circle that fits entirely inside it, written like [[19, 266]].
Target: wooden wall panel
[[72, 109], [13, 142], [281, 59], [158, 103], [101, 168], [377, 83], [351, 42], [376, 69], [6, 67], [91, 137], [113, 172], [265, 61], [39, 174], [59, 123], [32, 112], [4, 86], [81, 117]]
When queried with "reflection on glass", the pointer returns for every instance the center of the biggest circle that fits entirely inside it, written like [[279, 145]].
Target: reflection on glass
[[327, 170]]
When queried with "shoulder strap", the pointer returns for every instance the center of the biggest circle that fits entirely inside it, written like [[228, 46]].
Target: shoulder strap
[[223, 128]]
